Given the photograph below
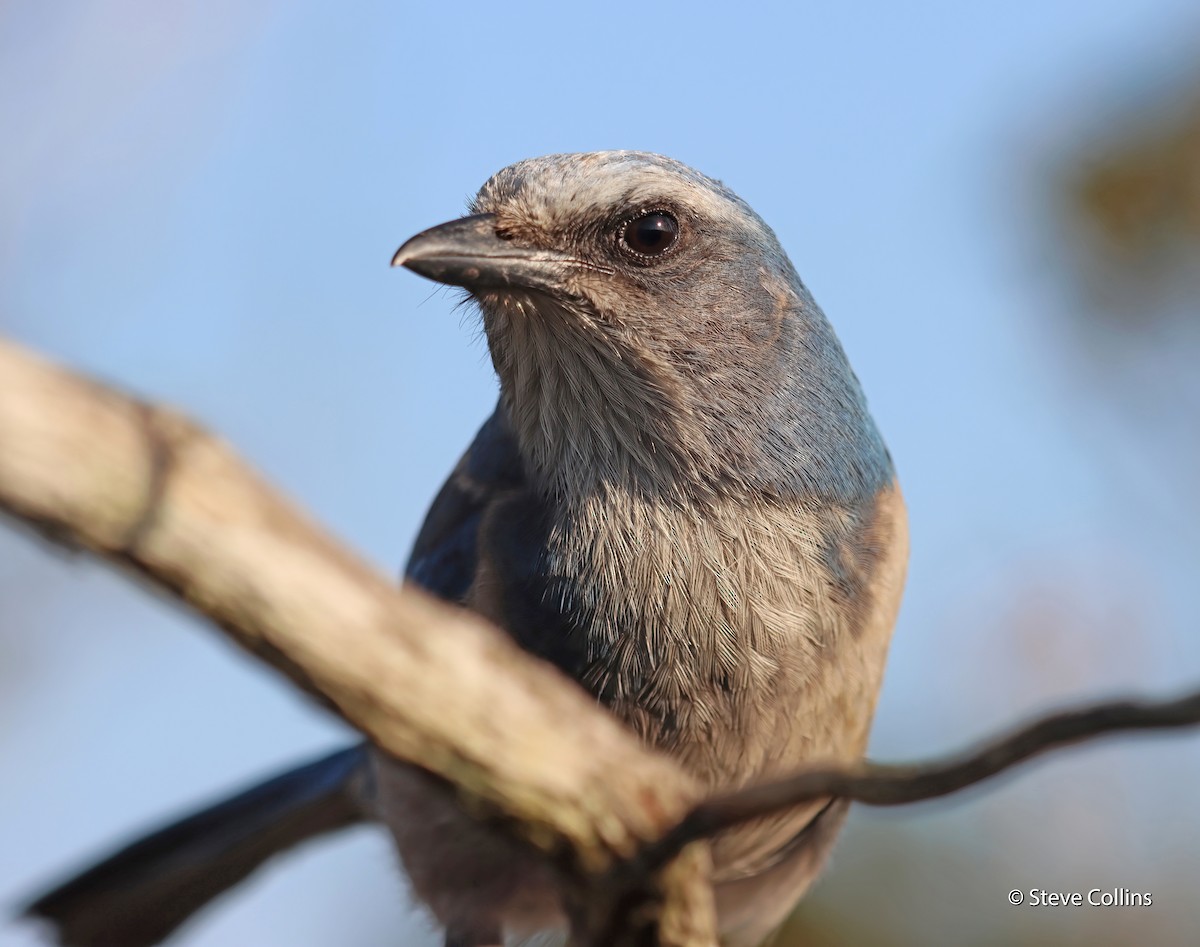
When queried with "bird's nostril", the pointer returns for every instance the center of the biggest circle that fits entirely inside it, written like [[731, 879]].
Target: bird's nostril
[[504, 233]]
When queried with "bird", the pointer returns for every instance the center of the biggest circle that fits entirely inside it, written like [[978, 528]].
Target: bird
[[681, 501]]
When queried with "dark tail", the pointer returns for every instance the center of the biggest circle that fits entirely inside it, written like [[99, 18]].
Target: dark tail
[[138, 896]]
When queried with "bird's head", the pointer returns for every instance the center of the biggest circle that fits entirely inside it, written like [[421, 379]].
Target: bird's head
[[650, 333]]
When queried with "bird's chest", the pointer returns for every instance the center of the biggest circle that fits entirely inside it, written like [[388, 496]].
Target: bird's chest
[[701, 631]]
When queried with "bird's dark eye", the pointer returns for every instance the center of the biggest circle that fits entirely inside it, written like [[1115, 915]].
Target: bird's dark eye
[[651, 234]]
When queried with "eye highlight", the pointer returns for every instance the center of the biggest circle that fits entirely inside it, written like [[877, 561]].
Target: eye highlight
[[651, 235]]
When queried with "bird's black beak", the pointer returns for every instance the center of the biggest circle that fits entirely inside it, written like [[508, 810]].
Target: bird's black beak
[[469, 252]]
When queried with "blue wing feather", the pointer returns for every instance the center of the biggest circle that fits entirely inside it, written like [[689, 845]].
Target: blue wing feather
[[446, 552]]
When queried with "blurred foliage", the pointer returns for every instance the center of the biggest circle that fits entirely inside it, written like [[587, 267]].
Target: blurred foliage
[[1128, 210], [1126, 204], [1138, 198]]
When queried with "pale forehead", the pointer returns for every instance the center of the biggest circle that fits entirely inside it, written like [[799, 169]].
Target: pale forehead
[[604, 182]]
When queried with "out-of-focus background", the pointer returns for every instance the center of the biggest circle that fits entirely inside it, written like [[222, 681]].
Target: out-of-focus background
[[997, 204]]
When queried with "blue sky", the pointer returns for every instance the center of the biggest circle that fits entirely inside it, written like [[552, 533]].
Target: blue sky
[[198, 201]]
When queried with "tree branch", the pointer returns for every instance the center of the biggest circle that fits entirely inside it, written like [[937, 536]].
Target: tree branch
[[433, 685], [877, 784]]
